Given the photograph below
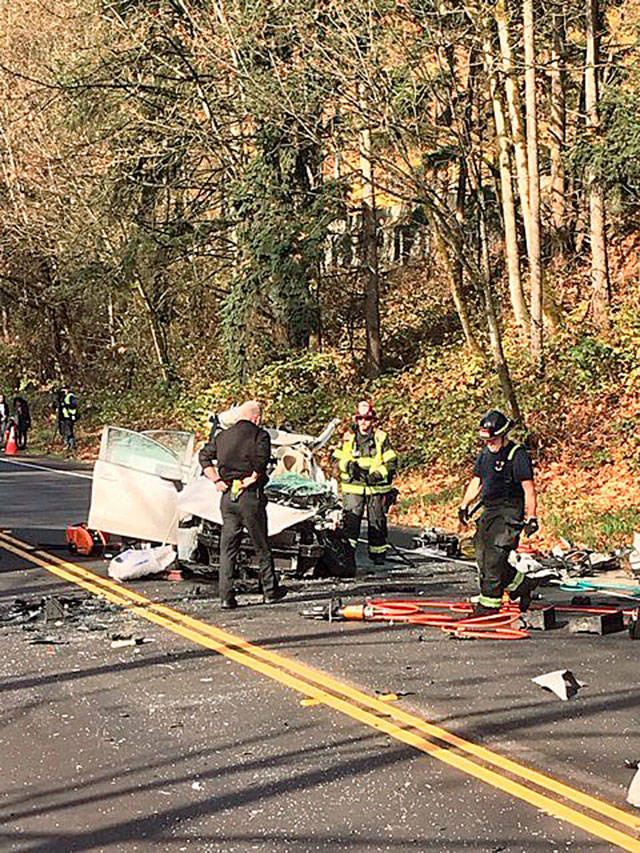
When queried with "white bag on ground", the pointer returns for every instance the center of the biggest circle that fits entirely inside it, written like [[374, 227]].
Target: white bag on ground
[[134, 563]]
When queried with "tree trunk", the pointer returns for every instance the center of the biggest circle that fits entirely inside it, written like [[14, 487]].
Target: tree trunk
[[512, 253], [515, 114], [557, 129], [535, 265], [162, 355], [373, 365], [599, 272], [454, 271], [495, 338]]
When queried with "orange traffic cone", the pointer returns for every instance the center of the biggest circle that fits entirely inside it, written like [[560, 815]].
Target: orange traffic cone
[[11, 447]]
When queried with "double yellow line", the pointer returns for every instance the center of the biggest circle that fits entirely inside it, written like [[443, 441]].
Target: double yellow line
[[519, 781]]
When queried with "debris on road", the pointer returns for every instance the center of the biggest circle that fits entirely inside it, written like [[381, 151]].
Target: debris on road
[[119, 641], [633, 795], [562, 682]]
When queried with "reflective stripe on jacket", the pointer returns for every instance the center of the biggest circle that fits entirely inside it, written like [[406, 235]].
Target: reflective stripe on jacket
[[383, 462], [69, 407]]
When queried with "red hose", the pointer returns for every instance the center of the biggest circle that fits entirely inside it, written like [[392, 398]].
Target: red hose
[[420, 612], [449, 616]]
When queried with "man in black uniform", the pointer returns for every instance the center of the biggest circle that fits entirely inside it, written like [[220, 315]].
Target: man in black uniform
[[241, 455], [503, 479], [23, 420]]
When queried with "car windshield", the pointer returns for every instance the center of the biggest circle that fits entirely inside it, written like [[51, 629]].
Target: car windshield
[[139, 452], [179, 443]]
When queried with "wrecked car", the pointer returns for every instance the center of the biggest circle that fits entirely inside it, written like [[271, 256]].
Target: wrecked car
[[148, 487]]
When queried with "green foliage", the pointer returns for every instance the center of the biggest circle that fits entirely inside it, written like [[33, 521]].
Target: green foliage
[[597, 530], [613, 155], [304, 392], [597, 362], [282, 226]]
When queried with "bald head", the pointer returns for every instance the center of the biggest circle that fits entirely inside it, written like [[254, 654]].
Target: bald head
[[250, 411]]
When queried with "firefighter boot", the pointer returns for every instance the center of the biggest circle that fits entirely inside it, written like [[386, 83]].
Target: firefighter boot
[[524, 592]]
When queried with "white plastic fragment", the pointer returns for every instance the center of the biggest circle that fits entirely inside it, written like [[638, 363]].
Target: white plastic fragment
[[125, 641], [633, 795], [562, 682]]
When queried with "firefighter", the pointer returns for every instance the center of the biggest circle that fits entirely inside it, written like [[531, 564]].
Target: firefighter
[[236, 461], [366, 463], [67, 416], [503, 481]]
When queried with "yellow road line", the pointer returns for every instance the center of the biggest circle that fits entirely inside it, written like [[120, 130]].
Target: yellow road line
[[282, 669], [376, 704]]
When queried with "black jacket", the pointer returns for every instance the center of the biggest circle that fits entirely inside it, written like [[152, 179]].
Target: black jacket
[[238, 451]]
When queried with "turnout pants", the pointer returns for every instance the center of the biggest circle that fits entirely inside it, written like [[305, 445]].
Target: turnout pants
[[248, 512], [22, 436], [497, 534], [66, 431], [354, 506]]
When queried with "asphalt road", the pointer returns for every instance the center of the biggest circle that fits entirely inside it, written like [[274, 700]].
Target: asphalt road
[[171, 745]]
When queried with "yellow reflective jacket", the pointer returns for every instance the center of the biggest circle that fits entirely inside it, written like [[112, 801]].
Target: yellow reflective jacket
[[372, 474]]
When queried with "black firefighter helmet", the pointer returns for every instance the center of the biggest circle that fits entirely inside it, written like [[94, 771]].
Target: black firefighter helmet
[[494, 425]]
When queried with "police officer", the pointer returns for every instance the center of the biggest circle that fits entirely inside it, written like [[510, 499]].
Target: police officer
[[67, 416], [366, 463], [503, 480], [236, 460]]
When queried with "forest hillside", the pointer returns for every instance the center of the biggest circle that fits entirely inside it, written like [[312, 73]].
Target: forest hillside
[[429, 203]]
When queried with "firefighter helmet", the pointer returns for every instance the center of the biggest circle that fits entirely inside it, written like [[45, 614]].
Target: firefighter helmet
[[494, 425], [364, 410]]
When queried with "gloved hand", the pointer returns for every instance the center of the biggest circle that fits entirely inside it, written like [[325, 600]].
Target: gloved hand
[[375, 477], [353, 469], [463, 515], [531, 526]]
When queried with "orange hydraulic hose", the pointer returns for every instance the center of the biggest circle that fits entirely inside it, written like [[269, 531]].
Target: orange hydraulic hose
[[412, 611]]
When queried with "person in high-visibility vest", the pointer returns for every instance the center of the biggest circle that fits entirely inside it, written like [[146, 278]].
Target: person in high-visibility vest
[[366, 463], [67, 416], [503, 483]]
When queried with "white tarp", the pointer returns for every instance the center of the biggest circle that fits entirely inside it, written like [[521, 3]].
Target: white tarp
[[201, 498]]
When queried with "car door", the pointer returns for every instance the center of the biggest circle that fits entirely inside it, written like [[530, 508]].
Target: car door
[[136, 481]]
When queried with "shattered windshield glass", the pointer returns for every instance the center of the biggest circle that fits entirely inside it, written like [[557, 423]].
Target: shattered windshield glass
[[139, 452]]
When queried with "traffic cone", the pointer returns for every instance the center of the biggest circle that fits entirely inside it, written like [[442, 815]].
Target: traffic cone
[[11, 447]]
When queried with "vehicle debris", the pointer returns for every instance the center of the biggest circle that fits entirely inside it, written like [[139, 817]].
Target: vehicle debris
[[119, 641], [562, 682], [633, 795]]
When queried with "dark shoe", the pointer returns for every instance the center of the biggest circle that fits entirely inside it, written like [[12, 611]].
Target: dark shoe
[[277, 595], [378, 559], [229, 604]]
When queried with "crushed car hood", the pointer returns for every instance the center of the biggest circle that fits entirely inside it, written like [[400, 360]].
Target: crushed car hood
[[201, 498]]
